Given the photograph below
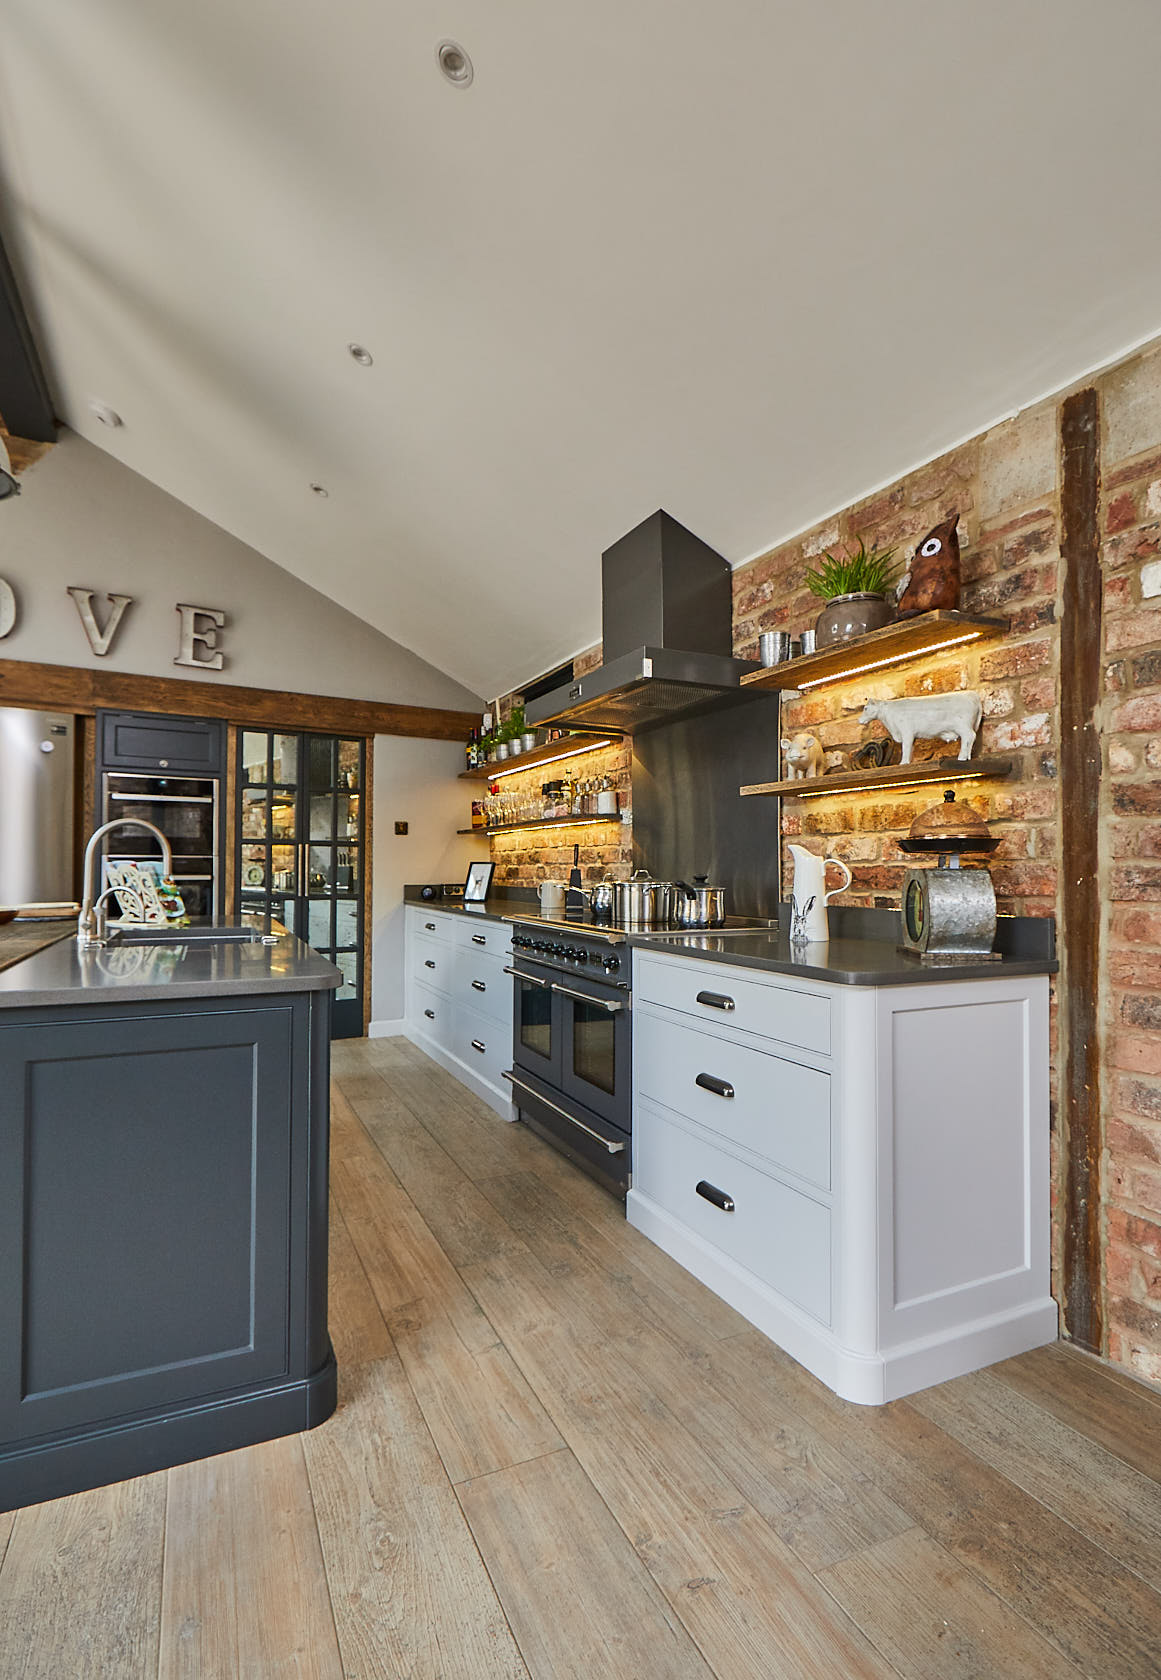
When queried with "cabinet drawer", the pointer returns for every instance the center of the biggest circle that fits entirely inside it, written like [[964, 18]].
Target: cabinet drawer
[[716, 995], [473, 934], [479, 982], [776, 1108], [432, 964], [433, 1015], [781, 1236], [429, 924], [482, 1044]]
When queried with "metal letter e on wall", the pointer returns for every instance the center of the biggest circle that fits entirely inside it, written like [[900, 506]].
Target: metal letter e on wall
[[198, 642]]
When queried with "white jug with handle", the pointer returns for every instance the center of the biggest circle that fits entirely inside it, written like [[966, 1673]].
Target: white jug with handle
[[810, 885]]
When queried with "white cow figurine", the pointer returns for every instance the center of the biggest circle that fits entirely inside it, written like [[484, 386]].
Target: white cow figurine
[[941, 717], [804, 757]]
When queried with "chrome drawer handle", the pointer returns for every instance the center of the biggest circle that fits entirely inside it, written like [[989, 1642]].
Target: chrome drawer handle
[[613, 1148], [528, 979], [430, 1013], [715, 1000], [719, 1087], [716, 1196], [428, 963], [479, 939], [430, 926], [478, 986], [478, 1044]]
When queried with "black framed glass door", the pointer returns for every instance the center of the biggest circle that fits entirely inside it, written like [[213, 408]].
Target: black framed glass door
[[301, 848]]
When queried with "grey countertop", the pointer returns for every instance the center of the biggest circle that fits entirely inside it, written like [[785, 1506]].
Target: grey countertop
[[841, 961], [846, 960], [193, 968]]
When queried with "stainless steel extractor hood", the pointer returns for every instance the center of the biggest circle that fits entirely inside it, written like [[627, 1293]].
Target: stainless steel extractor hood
[[667, 623]]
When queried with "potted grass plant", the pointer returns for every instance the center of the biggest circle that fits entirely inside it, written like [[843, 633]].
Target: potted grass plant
[[856, 588]]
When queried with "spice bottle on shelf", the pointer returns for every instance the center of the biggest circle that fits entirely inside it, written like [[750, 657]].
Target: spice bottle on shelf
[[606, 799]]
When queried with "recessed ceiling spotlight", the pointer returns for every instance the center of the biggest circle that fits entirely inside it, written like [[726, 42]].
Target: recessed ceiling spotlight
[[106, 415], [359, 353], [319, 490], [455, 63]]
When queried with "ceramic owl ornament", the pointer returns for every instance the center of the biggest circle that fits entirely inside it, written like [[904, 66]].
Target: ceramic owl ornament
[[931, 581]]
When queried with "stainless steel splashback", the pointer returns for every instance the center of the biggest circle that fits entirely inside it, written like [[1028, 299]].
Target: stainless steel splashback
[[37, 781], [687, 815]]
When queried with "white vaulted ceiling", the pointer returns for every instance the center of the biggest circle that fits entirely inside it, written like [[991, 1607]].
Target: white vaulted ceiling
[[743, 260]]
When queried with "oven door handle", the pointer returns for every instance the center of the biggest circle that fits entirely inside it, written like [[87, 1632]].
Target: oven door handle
[[611, 1004], [613, 1148], [529, 979]]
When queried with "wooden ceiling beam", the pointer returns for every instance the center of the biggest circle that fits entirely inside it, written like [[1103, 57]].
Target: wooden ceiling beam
[[68, 688]]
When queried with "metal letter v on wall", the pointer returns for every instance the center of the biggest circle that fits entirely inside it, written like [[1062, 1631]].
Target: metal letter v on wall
[[100, 640]]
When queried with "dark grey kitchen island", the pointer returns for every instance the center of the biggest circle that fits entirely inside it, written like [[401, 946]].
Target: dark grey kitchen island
[[164, 1119]]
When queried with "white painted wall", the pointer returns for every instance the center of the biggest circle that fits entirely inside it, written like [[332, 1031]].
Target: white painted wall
[[84, 518], [414, 783]]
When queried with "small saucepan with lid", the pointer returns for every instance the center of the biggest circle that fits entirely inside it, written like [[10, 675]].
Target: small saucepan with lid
[[698, 905]]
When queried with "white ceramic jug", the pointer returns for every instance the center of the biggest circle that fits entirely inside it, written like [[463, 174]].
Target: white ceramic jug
[[551, 895], [810, 884]]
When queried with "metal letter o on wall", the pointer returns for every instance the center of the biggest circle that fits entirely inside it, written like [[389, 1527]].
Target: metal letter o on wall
[[7, 608]]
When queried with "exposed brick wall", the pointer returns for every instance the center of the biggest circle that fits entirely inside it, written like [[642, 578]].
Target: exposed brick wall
[[1131, 826], [1004, 488]]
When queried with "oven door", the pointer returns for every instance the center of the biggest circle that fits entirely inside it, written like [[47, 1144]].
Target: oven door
[[596, 1048], [536, 1041]]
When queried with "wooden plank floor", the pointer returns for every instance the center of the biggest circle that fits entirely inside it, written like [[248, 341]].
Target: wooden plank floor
[[557, 1455]]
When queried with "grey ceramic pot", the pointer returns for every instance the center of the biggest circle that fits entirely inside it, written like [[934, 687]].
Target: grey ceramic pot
[[848, 616]]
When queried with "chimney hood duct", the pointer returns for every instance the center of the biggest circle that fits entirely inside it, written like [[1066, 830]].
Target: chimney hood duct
[[667, 633]]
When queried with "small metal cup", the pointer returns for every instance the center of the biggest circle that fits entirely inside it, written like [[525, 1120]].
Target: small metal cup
[[774, 646], [807, 642]]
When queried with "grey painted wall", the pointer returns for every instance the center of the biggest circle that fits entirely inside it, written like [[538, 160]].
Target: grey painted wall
[[85, 519], [414, 783]]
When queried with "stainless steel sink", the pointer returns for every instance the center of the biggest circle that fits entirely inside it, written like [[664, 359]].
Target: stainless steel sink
[[192, 936]]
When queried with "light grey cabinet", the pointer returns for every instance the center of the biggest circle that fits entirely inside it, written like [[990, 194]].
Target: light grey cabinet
[[459, 999], [861, 1171]]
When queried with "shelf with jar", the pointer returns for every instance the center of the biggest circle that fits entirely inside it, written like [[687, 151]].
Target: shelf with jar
[[519, 756], [563, 800]]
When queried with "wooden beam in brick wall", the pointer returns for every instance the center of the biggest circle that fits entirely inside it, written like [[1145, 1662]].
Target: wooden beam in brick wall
[[1080, 773], [68, 688]]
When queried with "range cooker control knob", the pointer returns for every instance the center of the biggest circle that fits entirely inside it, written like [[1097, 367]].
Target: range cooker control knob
[[612, 964], [581, 956]]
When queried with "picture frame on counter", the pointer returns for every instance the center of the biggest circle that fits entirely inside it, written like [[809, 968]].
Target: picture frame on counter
[[478, 883]]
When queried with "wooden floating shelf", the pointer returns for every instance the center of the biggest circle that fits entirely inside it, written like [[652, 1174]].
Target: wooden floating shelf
[[540, 822], [895, 644], [891, 778], [565, 746]]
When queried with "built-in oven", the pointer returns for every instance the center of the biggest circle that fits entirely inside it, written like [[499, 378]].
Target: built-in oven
[[572, 1051]]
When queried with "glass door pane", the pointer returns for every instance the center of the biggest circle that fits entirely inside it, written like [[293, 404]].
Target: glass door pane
[[300, 848], [267, 826], [334, 864]]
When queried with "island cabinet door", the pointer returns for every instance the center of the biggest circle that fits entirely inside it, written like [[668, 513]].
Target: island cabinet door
[[145, 1170]]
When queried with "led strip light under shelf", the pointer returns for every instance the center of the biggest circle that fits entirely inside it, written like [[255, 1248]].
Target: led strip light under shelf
[[892, 659], [538, 764]]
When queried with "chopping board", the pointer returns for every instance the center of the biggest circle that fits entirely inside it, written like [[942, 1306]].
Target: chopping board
[[24, 939]]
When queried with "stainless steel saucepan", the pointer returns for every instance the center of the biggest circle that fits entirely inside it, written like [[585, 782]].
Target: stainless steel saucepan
[[698, 906], [642, 902]]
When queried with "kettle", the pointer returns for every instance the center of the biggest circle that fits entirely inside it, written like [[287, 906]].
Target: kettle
[[809, 895]]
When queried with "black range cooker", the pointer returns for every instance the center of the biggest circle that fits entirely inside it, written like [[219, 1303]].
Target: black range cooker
[[572, 1054]]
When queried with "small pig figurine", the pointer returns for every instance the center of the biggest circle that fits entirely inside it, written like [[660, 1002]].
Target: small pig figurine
[[804, 757]]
